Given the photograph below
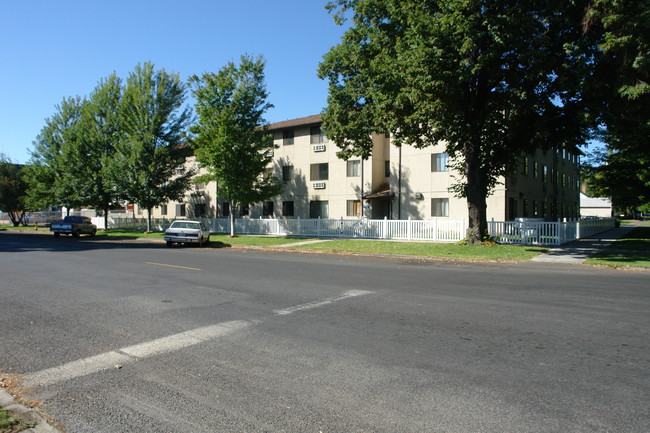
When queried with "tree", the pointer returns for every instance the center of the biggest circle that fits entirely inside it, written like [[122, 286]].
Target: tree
[[13, 190], [620, 93], [232, 142], [49, 174], [492, 79], [92, 157], [149, 167]]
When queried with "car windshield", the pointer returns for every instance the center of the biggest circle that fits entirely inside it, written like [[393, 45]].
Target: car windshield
[[185, 225]]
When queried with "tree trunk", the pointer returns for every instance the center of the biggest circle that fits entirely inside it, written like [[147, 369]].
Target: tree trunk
[[106, 218], [476, 190], [149, 219], [232, 219]]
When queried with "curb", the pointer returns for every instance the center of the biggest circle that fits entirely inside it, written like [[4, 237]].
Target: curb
[[8, 402]]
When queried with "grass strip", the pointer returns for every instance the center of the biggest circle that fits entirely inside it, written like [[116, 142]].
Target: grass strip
[[495, 252], [261, 241]]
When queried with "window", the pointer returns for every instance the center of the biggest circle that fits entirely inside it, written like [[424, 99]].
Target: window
[[512, 208], [180, 210], [535, 208], [386, 168], [244, 210], [287, 208], [525, 214], [319, 171], [199, 186], [267, 209], [439, 207], [268, 173], [318, 209], [525, 166], [226, 209], [354, 168], [139, 210], [535, 169], [439, 162], [317, 135], [354, 208], [545, 174], [199, 210], [287, 137], [163, 209], [287, 173]]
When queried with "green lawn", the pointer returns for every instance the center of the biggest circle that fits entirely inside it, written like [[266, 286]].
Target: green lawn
[[258, 241], [429, 249], [631, 251], [130, 234], [24, 228]]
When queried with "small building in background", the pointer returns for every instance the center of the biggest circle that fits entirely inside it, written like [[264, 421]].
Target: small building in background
[[595, 206]]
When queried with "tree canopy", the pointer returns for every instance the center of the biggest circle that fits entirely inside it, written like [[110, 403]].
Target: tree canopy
[[231, 140], [491, 79], [150, 165], [49, 173], [620, 91], [13, 190]]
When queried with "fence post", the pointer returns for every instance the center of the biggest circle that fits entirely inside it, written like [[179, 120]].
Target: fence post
[[318, 226], [385, 227], [409, 229]]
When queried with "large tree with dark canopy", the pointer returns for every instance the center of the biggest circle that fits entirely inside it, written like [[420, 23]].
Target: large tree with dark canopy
[[491, 79]]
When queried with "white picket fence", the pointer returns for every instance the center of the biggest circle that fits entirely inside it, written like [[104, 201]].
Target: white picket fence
[[439, 230], [548, 233]]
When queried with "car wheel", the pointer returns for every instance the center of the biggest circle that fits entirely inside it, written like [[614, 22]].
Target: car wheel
[[207, 240], [169, 244], [75, 234], [57, 234], [93, 233]]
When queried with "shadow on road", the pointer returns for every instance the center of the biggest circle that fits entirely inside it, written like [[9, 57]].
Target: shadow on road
[[23, 242]]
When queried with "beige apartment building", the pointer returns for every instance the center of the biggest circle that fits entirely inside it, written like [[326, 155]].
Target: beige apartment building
[[395, 183]]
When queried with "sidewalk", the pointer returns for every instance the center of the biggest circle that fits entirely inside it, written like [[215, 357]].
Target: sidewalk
[[578, 251]]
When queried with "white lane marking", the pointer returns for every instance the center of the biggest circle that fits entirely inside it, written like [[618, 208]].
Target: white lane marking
[[322, 302], [130, 354], [74, 369]]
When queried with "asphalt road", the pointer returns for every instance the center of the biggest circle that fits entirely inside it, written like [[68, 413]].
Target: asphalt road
[[113, 339]]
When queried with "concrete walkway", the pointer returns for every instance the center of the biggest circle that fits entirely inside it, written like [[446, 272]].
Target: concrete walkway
[[8, 402], [578, 251], [295, 244]]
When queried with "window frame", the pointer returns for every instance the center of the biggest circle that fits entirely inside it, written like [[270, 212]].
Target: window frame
[[444, 207], [439, 162], [288, 137], [353, 166], [319, 171], [288, 205], [316, 135]]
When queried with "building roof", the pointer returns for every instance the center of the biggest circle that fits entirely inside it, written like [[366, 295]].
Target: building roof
[[292, 123], [586, 201]]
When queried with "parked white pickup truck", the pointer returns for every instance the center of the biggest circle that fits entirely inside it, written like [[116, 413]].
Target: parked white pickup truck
[[75, 226]]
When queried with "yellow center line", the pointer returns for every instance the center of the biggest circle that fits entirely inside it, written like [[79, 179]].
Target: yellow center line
[[172, 266]]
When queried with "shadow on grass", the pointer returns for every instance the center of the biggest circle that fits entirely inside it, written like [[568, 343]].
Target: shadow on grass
[[622, 258]]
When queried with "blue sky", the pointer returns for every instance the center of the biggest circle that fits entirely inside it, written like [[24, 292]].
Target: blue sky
[[56, 49]]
